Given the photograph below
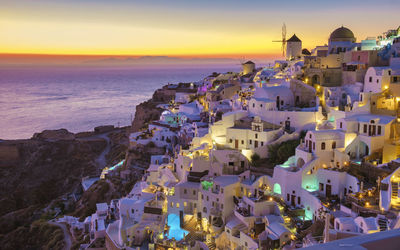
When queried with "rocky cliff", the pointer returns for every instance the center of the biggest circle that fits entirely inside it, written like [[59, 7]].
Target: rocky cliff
[[35, 172], [148, 111]]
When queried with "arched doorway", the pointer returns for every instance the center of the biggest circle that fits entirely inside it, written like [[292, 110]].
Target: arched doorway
[[315, 79], [300, 162], [277, 188]]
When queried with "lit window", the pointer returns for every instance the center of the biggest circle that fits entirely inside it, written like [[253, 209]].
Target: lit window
[[177, 205]]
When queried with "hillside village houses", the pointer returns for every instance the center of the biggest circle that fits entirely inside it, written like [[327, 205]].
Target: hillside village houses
[[333, 111]]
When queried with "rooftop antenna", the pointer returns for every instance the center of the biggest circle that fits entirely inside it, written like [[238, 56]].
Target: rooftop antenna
[[283, 41]]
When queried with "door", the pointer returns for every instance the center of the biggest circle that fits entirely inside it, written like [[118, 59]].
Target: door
[[328, 190], [309, 146], [277, 102], [256, 144], [236, 143], [287, 125], [293, 201]]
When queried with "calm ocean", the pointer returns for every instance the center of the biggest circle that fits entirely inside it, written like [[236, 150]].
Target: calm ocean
[[79, 98]]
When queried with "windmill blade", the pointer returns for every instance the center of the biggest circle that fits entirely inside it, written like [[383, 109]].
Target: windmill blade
[[284, 32]]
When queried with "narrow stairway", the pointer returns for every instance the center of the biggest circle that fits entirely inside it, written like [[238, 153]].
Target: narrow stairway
[[383, 224]]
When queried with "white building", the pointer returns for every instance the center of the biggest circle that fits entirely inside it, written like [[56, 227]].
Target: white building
[[293, 48]]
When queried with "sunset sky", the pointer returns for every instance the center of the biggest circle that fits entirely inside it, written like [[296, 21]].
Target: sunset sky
[[212, 28]]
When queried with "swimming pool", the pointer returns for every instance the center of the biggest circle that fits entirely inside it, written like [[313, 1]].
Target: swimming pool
[[175, 230]]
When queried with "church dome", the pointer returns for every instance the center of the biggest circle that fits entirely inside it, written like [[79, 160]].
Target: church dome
[[342, 34]]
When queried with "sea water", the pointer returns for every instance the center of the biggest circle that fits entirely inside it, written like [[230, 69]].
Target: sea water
[[35, 98]]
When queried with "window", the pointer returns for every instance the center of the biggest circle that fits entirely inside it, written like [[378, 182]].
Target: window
[[254, 105], [230, 140], [298, 200], [177, 205], [365, 128], [222, 190], [185, 204], [379, 130], [390, 72], [313, 145], [222, 206], [185, 191], [204, 210], [194, 192], [242, 142], [207, 198], [231, 163], [256, 136], [334, 145], [377, 80], [323, 146], [202, 197], [250, 142], [262, 143], [321, 186], [341, 125], [242, 164], [288, 197], [260, 105]]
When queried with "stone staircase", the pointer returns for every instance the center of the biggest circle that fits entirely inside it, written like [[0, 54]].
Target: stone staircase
[[383, 224], [395, 196], [395, 189], [211, 245]]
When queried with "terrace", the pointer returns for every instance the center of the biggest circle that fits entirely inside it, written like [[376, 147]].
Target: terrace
[[366, 202]]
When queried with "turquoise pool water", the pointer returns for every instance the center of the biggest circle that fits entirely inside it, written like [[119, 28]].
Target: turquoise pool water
[[175, 230]]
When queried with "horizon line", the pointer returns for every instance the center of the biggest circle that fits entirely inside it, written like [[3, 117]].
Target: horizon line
[[230, 56]]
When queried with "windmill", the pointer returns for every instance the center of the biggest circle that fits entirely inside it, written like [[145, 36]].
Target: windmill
[[283, 41]]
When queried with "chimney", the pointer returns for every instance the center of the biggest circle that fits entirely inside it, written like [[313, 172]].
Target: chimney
[[326, 230]]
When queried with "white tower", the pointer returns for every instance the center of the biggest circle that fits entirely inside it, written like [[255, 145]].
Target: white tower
[[293, 48]]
